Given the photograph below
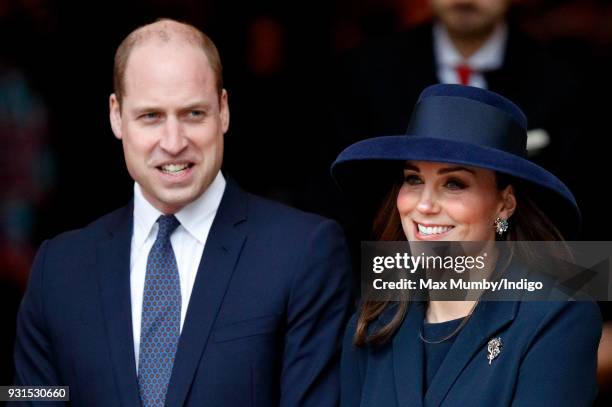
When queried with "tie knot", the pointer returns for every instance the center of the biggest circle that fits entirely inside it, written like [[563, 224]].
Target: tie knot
[[167, 224], [463, 72]]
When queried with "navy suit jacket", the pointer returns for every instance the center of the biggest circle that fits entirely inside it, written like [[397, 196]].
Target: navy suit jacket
[[548, 358], [264, 323]]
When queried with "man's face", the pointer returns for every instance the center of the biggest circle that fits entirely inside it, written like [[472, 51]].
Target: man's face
[[470, 17], [171, 123]]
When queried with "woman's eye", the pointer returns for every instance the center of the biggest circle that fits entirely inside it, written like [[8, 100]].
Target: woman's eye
[[412, 179], [455, 184]]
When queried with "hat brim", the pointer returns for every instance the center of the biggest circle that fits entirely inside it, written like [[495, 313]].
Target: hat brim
[[370, 165]]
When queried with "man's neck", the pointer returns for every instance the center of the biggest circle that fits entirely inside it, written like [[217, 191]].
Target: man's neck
[[468, 45]]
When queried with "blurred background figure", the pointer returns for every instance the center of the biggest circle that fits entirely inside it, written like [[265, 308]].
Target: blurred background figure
[[27, 163], [469, 42], [26, 176]]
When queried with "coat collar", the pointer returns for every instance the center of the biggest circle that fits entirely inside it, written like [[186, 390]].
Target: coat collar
[[409, 358], [113, 271], [487, 319], [221, 252], [408, 351]]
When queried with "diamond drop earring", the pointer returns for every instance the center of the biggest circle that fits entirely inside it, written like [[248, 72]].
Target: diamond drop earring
[[501, 226]]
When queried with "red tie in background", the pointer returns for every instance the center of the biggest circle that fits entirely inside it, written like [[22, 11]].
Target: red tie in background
[[464, 72]]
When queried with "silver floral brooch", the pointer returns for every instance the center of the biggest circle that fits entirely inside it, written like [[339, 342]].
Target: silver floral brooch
[[494, 348]]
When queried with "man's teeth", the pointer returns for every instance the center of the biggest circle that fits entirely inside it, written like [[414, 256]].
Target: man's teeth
[[174, 167], [433, 230]]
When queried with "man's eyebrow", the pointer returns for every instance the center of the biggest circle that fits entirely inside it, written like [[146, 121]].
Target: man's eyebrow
[[201, 104], [143, 109]]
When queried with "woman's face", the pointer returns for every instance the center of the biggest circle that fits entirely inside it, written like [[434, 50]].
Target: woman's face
[[440, 201]]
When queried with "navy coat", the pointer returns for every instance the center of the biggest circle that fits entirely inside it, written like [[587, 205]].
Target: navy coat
[[548, 358], [264, 323]]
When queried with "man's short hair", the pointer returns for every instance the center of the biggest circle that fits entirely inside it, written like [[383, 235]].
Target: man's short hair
[[166, 31]]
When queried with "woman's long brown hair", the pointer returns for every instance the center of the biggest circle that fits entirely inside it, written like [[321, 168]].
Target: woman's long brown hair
[[528, 223]]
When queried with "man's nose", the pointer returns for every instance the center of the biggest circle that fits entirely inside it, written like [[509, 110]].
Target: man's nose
[[173, 139]]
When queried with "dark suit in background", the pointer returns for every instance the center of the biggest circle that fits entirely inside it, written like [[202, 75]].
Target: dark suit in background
[[382, 80]]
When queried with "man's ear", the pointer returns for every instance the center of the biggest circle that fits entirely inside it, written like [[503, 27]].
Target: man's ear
[[224, 111], [115, 115], [508, 202]]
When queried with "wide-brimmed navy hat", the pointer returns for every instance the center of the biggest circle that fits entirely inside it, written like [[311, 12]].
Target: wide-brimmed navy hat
[[461, 125]]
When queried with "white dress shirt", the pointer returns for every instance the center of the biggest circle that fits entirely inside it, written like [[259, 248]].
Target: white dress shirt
[[187, 241], [489, 57]]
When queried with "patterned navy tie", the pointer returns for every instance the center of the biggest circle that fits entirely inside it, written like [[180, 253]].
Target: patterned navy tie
[[161, 317]]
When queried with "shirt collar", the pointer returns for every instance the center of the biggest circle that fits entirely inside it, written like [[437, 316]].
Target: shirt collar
[[489, 57], [194, 218]]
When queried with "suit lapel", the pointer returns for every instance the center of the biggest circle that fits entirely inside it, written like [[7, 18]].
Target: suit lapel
[[487, 319], [113, 267], [219, 259], [417, 45], [408, 363], [497, 79]]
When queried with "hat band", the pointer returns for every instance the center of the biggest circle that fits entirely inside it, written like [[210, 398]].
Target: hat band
[[468, 121]]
